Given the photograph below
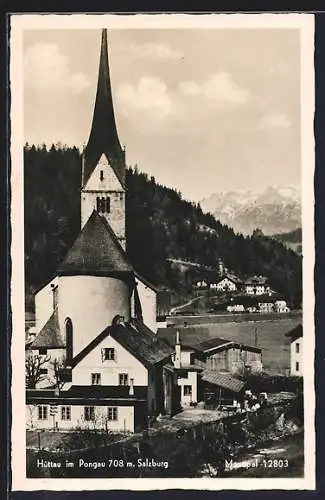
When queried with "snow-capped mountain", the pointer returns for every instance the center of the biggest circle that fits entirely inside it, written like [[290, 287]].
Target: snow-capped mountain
[[274, 210]]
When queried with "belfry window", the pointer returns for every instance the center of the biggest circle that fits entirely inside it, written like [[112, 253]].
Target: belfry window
[[103, 205]]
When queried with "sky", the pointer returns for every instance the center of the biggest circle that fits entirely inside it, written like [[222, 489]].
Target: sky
[[202, 110]]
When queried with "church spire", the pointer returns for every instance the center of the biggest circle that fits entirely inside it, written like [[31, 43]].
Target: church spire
[[103, 138]]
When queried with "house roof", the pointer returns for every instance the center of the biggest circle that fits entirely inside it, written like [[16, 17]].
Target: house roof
[[256, 280], [96, 251], [103, 138], [295, 334], [224, 380], [230, 277], [49, 336], [146, 282], [90, 394], [137, 338]]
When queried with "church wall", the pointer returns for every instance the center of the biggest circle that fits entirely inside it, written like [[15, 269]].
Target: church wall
[[91, 302], [109, 370], [44, 304], [148, 300]]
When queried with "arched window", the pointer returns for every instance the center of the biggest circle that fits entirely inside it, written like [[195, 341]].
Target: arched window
[[103, 205], [69, 339], [108, 205], [98, 204]]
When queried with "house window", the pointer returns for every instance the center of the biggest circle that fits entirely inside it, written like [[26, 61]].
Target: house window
[[101, 175], [108, 354], [42, 412], [89, 413], [297, 348], [112, 413], [123, 379], [297, 366], [187, 390], [65, 412], [42, 351], [95, 379]]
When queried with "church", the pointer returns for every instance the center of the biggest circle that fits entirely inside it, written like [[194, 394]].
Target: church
[[102, 363]]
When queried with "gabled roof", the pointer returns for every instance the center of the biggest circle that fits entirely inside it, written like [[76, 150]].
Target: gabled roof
[[230, 277], [256, 280], [223, 380], [136, 338], [96, 251], [295, 334], [146, 282], [103, 138], [50, 336], [213, 343]]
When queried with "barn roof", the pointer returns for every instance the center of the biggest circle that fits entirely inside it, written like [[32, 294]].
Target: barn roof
[[223, 380], [96, 251], [50, 336]]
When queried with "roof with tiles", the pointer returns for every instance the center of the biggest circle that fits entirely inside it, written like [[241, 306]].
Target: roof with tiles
[[223, 380], [136, 338], [96, 251], [50, 336]]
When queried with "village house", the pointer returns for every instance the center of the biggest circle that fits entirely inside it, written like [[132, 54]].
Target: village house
[[228, 283], [256, 285], [266, 307], [209, 371], [296, 351], [102, 364], [280, 306]]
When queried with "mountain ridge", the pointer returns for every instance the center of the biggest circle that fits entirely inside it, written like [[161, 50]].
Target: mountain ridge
[[275, 209]]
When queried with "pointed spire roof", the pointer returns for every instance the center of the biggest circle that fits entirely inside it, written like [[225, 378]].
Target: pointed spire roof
[[103, 138], [96, 252]]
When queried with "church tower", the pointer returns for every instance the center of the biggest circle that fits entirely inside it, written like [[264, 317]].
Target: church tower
[[103, 159]]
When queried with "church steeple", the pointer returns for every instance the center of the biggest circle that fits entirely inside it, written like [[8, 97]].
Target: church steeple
[[103, 138], [103, 161]]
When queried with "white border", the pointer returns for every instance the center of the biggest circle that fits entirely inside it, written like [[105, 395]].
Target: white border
[[303, 22]]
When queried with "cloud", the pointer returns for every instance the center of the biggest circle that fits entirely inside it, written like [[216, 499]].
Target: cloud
[[46, 68], [154, 51], [219, 87], [149, 94], [274, 120]]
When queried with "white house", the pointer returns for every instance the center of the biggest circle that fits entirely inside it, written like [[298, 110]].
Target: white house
[[227, 283], [296, 351], [266, 307], [256, 285], [280, 306]]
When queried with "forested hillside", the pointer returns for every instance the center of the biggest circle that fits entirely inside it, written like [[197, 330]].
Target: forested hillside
[[160, 225]]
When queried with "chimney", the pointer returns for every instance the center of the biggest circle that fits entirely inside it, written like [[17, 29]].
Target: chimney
[[131, 388], [177, 362]]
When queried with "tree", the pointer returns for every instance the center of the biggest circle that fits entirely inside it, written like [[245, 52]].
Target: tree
[[58, 366], [33, 369]]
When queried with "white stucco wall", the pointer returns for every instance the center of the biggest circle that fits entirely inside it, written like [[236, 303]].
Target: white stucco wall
[[44, 304], [109, 369], [124, 422], [296, 357], [192, 381], [148, 300], [91, 303]]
